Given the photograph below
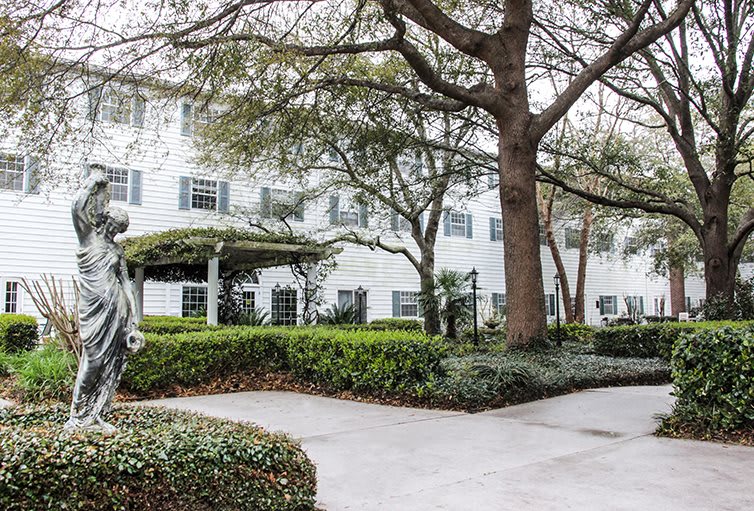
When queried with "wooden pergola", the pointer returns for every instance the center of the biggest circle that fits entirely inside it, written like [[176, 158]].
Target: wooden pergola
[[244, 255]]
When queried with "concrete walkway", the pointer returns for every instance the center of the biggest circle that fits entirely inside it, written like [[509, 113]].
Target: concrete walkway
[[592, 450]]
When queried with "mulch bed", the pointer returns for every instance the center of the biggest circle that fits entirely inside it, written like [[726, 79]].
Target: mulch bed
[[692, 432]]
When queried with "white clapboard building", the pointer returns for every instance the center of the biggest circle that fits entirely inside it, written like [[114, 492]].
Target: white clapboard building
[[147, 154]]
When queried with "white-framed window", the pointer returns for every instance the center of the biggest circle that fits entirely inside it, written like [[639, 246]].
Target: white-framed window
[[12, 301], [118, 105], [572, 238], [409, 304], [347, 212], [248, 301], [457, 224], [194, 301], [608, 305], [496, 229], [203, 194], [125, 184], [499, 304], [604, 242], [550, 304], [543, 236], [194, 118], [403, 224], [118, 178], [632, 245], [114, 107], [349, 217], [284, 306], [282, 204], [345, 298], [12, 172]]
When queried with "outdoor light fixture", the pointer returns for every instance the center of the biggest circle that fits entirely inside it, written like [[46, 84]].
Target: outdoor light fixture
[[556, 279], [360, 300], [474, 274]]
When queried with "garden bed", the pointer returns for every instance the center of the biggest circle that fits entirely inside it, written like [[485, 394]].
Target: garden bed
[[157, 459]]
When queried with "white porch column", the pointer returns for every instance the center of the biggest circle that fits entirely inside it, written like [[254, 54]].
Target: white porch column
[[311, 281], [139, 293], [213, 275]]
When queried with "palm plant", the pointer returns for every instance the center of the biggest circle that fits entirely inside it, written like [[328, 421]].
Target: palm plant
[[336, 315], [451, 296]]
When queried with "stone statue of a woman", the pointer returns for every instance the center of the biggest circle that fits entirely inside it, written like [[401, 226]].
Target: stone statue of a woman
[[107, 305]]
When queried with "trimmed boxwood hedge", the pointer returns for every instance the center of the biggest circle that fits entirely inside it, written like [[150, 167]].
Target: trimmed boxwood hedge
[[647, 341], [163, 325], [158, 459], [364, 360], [18, 332], [713, 376]]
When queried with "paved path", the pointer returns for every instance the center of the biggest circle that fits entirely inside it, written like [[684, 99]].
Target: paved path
[[587, 451]]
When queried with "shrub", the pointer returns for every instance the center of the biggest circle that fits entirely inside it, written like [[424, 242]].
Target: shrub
[[342, 359], [652, 340], [197, 357], [40, 375], [370, 361], [166, 325], [397, 324], [713, 376], [570, 332], [338, 315], [18, 332], [157, 459]]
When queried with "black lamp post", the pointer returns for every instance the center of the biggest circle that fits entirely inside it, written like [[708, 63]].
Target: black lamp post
[[556, 278], [276, 304], [359, 301], [474, 275]]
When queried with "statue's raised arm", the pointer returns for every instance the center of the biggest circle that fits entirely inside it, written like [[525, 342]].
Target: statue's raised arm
[[88, 208]]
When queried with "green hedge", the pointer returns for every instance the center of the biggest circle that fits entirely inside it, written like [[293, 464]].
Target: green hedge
[[570, 332], [653, 340], [164, 325], [18, 332], [157, 459], [413, 325], [196, 357], [365, 360], [713, 376]]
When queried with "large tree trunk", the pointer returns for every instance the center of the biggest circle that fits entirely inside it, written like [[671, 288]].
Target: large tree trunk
[[719, 269], [586, 228], [518, 199], [432, 324], [677, 290]]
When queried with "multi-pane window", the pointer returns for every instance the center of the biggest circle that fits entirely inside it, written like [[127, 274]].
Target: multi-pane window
[[550, 304], [632, 245], [409, 304], [118, 178], [11, 297], [12, 172], [572, 237], [206, 115], [280, 204], [457, 224], [403, 224], [543, 236], [608, 305], [194, 303], [604, 243], [204, 194], [349, 217], [498, 229], [248, 301], [498, 304], [114, 107], [284, 306]]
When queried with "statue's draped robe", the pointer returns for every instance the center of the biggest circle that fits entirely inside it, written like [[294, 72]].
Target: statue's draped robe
[[104, 313]]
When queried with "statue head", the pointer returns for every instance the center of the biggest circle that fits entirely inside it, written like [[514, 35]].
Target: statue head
[[116, 221]]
